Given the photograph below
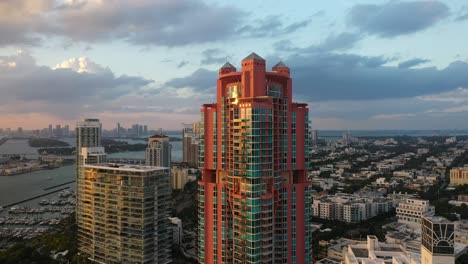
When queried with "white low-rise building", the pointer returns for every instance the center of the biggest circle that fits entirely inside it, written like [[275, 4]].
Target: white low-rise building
[[350, 208], [375, 252], [411, 211]]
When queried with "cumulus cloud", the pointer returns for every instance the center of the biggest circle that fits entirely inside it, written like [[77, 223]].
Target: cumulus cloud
[[411, 63], [63, 90], [397, 18], [81, 64]]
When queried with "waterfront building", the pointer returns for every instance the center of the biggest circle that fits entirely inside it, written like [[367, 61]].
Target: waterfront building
[[314, 137], [437, 240], [135, 130], [120, 213], [412, 210], [58, 131], [459, 176], [190, 147], [254, 196], [66, 131], [158, 152], [92, 155], [88, 142], [88, 134]]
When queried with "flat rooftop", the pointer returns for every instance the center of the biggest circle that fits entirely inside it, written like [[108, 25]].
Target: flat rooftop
[[125, 167], [438, 220], [360, 252]]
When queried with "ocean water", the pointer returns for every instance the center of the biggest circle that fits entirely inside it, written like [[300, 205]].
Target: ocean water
[[19, 187], [392, 133]]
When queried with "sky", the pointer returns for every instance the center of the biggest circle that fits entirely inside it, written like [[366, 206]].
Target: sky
[[358, 64]]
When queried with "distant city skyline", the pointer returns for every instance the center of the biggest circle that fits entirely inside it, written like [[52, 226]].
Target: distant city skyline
[[367, 64]]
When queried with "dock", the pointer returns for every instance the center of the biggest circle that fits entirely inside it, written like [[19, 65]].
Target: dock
[[35, 197]]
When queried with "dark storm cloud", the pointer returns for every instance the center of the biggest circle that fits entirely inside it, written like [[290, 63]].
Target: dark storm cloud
[[397, 18], [412, 63], [200, 80], [328, 76]]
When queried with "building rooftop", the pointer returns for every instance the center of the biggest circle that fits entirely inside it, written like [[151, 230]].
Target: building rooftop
[[327, 261], [125, 167], [253, 56], [438, 220], [280, 65], [88, 122], [360, 252], [228, 65]]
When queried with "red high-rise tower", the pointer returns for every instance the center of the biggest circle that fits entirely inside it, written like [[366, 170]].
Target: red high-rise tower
[[254, 197]]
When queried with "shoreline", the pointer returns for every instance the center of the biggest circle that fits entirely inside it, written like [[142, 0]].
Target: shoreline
[[31, 170]]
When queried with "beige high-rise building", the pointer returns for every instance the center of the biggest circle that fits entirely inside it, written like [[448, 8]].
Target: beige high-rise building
[[120, 214], [190, 145], [158, 152], [179, 178], [459, 176], [437, 240]]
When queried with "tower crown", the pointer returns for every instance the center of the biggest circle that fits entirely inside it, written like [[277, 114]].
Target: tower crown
[[227, 68], [253, 56], [281, 68]]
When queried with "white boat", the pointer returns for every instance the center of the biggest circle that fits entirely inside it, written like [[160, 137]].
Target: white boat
[[49, 178]]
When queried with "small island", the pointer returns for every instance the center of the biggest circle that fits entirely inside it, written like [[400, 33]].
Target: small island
[[114, 146], [46, 143]]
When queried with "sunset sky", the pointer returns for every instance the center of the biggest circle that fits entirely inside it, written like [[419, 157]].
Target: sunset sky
[[359, 64]]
